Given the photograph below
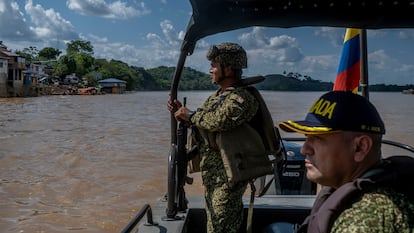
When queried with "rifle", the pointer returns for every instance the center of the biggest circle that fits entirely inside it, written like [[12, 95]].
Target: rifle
[[177, 172]]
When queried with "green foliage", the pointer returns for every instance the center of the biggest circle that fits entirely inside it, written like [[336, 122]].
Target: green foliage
[[389, 88], [146, 81], [278, 82], [190, 78], [49, 53], [79, 46], [91, 79], [65, 65], [84, 63]]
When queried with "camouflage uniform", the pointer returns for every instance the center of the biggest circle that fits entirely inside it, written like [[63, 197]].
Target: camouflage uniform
[[221, 112], [380, 211]]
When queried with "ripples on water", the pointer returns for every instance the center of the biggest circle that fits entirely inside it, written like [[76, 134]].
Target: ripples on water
[[89, 163]]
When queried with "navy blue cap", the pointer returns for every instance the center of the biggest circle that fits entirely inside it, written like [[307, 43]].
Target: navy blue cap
[[338, 111]]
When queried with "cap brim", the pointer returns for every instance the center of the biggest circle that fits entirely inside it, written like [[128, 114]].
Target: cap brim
[[305, 127]]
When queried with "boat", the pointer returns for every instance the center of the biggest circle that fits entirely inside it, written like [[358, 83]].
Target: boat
[[274, 201], [408, 91], [89, 91]]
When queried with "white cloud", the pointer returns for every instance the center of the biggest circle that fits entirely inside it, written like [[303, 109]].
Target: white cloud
[[378, 59], [407, 34], [13, 24], [161, 49], [407, 68], [388, 70], [36, 25], [335, 35], [114, 10], [95, 38], [321, 67], [49, 24], [172, 37], [279, 49]]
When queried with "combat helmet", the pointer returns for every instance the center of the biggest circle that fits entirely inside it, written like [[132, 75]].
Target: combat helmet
[[228, 54]]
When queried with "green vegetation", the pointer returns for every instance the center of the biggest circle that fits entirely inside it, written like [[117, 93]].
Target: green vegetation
[[80, 61], [295, 82], [278, 82], [190, 78]]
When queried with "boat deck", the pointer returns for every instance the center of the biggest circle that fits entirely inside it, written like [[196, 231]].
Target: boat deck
[[267, 209]]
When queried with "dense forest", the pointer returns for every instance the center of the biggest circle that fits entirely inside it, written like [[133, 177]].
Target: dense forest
[[79, 60]]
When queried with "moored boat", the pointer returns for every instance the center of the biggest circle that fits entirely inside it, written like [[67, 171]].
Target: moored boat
[[408, 91], [175, 212], [89, 91]]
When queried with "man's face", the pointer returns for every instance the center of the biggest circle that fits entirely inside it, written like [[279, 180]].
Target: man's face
[[329, 159], [215, 71]]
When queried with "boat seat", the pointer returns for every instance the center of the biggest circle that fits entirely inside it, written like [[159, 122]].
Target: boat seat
[[280, 227]]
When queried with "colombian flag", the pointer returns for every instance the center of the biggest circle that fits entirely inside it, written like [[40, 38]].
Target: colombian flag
[[348, 76]]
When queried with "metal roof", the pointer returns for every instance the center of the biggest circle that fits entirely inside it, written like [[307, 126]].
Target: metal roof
[[10, 54], [111, 80]]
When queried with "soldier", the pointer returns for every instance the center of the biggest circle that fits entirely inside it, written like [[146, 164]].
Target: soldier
[[229, 107]]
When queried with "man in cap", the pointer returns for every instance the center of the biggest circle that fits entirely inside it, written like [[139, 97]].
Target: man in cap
[[227, 108], [362, 192]]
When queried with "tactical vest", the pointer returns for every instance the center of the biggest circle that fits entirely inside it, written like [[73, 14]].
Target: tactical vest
[[250, 150], [396, 172]]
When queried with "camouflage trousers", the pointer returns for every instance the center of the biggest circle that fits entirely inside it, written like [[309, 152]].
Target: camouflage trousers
[[224, 207]]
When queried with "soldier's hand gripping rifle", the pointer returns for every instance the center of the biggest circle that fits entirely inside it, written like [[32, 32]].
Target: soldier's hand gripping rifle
[[182, 134], [177, 170]]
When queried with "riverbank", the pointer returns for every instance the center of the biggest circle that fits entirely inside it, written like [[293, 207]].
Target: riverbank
[[42, 90]]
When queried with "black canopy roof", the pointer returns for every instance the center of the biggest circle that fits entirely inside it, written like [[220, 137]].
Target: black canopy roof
[[214, 16]]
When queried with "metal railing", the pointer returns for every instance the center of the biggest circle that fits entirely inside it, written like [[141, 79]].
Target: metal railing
[[146, 209]]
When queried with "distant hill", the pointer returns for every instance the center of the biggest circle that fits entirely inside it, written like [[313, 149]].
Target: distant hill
[[191, 79], [279, 82], [160, 79]]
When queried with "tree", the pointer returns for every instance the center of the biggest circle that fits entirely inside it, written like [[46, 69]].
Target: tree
[[78, 59], [65, 65], [49, 53], [120, 70], [79, 46], [29, 54], [84, 63]]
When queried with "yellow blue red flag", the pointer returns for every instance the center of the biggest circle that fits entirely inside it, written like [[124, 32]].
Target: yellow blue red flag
[[348, 75]]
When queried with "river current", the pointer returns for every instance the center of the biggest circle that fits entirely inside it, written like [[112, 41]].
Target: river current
[[89, 163]]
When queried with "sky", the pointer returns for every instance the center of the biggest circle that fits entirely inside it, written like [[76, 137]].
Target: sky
[[148, 33]]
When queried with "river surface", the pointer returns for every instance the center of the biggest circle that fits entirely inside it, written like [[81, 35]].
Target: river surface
[[89, 163]]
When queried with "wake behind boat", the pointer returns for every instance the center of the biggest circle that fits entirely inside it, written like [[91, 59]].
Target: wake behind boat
[[286, 196]]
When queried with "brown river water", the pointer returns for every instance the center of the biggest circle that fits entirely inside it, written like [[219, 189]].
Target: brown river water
[[89, 163]]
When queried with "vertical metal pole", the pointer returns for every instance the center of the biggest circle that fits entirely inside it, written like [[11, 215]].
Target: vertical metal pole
[[364, 64]]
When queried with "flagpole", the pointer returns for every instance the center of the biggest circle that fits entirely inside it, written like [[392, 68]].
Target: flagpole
[[364, 64]]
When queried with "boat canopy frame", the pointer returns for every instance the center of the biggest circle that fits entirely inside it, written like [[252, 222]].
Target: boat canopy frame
[[216, 16], [211, 17]]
